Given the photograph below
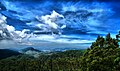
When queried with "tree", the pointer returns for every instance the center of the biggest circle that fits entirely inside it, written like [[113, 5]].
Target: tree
[[102, 56]]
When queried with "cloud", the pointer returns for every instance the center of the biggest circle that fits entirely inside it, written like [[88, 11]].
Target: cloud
[[9, 32], [50, 19], [61, 17], [49, 22], [10, 28]]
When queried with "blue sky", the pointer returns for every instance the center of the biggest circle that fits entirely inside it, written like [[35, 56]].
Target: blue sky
[[81, 20]]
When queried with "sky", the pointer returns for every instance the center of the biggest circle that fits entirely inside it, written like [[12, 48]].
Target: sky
[[71, 21]]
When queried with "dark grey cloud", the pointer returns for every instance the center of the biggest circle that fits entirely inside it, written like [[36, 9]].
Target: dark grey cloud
[[69, 0], [2, 7]]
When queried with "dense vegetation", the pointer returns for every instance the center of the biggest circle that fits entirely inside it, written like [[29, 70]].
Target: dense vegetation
[[4, 53], [103, 55]]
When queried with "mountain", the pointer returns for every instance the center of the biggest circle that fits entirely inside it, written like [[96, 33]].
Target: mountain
[[4, 53], [29, 49], [31, 52]]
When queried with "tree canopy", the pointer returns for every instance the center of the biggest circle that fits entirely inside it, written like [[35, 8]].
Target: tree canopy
[[103, 55]]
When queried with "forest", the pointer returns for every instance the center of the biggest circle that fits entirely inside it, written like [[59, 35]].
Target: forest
[[103, 55]]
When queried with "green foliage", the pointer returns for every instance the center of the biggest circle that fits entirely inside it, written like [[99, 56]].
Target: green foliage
[[60, 61], [107, 42], [103, 55]]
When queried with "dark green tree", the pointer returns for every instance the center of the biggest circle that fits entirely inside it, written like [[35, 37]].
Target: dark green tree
[[102, 56]]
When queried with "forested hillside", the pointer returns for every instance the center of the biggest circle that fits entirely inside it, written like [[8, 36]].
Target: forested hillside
[[103, 55]]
